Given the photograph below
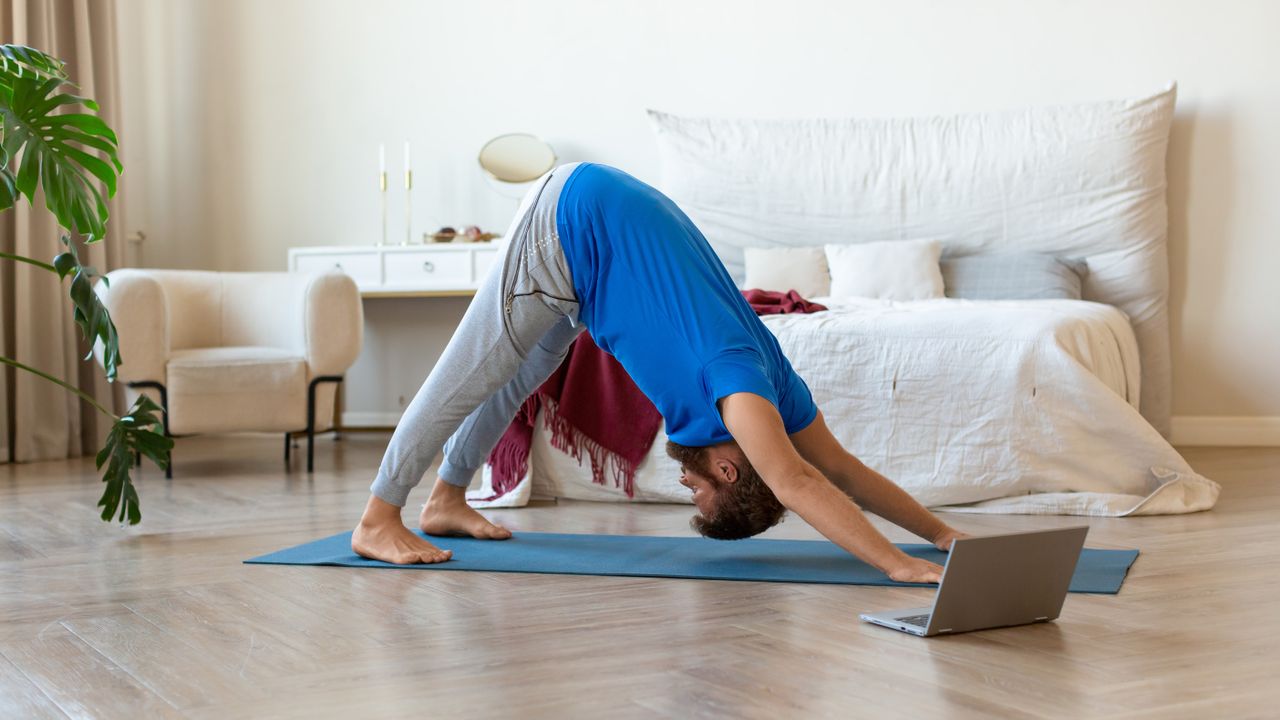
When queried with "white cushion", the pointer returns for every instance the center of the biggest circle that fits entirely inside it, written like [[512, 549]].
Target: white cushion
[[233, 389], [1083, 181], [906, 270], [781, 269]]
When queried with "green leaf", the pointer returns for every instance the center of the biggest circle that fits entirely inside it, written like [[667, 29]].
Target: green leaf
[[8, 190], [139, 431], [69, 155], [91, 316], [18, 61], [65, 263]]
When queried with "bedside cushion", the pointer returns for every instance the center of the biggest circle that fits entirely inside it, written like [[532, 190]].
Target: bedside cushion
[[236, 389], [781, 269], [1013, 276], [888, 270]]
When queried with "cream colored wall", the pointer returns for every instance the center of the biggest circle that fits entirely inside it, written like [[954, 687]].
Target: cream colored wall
[[253, 126]]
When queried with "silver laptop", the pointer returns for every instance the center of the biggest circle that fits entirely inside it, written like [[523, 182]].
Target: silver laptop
[[996, 581]]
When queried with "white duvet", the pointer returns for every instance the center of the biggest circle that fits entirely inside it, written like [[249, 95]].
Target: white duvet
[[973, 406]]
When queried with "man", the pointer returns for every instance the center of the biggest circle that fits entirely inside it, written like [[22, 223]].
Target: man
[[593, 247]]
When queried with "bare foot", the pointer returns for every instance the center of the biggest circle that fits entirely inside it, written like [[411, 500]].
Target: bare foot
[[447, 513], [382, 536]]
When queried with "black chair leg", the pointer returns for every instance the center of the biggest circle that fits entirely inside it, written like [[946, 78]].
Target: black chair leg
[[311, 446], [311, 416], [287, 442]]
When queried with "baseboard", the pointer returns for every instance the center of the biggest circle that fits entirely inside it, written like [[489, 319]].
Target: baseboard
[[370, 419], [1225, 430]]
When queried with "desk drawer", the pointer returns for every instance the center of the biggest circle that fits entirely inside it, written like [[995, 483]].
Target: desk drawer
[[362, 267], [484, 259], [428, 269]]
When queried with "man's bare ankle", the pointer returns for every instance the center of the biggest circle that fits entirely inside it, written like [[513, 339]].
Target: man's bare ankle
[[379, 513], [444, 494]]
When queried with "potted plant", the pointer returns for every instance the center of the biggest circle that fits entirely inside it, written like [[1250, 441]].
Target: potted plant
[[53, 141]]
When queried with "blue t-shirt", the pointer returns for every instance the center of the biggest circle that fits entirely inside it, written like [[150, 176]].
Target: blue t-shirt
[[654, 295]]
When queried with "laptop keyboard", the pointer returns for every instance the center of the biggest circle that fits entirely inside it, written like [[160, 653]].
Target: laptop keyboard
[[917, 620]]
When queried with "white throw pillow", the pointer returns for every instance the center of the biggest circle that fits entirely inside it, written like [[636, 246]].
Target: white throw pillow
[[889, 270], [781, 269]]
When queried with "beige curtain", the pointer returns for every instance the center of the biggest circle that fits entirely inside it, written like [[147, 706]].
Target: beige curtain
[[42, 421]]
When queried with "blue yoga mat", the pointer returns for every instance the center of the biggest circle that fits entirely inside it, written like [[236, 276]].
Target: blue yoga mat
[[799, 561]]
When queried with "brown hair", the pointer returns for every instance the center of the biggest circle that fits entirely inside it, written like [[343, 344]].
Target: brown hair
[[743, 508]]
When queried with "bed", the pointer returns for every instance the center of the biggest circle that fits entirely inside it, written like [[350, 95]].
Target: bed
[[1046, 406], [1003, 406]]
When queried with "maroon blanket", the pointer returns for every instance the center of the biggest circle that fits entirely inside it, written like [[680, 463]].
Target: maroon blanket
[[591, 406], [768, 302]]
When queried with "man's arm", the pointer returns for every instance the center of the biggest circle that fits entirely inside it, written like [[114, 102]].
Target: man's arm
[[867, 487], [758, 428]]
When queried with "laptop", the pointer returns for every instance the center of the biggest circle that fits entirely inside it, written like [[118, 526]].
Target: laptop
[[996, 581]]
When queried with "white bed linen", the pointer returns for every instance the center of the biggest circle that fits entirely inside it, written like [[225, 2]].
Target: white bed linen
[[999, 406]]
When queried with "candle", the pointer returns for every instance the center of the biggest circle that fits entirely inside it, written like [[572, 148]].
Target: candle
[[408, 196], [408, 170], [382, 187]]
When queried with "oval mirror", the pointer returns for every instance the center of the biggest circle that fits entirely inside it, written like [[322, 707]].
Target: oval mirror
[[517, 157]]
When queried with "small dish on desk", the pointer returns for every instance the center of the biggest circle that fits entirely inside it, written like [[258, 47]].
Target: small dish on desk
[[448, 234]]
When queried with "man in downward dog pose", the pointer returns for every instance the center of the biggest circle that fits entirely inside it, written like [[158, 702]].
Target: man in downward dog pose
[[592, 247]]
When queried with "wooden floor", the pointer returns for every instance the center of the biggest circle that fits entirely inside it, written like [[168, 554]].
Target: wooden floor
[[163, 620]]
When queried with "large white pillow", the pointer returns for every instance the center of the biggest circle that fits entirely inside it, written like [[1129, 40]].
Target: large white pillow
[[1082, 181], [906, 270], [781, 269]]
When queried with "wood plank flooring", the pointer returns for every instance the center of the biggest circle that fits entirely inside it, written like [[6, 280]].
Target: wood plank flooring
[[163, 620]]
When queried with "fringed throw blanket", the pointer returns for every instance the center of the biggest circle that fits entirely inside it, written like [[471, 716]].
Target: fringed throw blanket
[[592, 408]]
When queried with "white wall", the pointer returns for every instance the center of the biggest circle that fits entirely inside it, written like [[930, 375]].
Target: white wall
[[253, 126]]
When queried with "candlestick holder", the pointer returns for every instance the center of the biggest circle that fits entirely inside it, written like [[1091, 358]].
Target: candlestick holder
[[408, 207], [382, 192]]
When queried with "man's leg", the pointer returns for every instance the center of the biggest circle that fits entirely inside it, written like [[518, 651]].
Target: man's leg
[[481, 358], [521, 300], [447, 512]]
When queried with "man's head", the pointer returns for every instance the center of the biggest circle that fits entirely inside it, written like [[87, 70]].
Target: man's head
[[732, 500]]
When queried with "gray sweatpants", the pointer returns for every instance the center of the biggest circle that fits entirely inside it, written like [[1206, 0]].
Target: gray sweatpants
[[514, 334]]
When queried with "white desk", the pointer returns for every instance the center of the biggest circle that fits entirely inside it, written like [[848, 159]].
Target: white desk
[[403, 338], [438, 270]]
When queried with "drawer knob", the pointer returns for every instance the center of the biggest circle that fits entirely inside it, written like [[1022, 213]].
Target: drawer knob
[[428, 266], [337, 266]]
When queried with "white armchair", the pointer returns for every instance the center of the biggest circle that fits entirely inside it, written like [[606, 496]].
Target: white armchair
[[237, 352]]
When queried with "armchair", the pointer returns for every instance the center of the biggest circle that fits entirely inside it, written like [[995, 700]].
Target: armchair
[[236, 351]]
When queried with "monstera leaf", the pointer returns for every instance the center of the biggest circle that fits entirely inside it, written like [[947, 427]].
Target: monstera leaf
[[53, 149], [90, 314], [8, 185], [138, 432], [17, 61]]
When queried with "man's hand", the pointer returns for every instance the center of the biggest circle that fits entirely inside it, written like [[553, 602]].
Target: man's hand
[[943, 540], [915, 570], [871, 490], [758, 428]]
